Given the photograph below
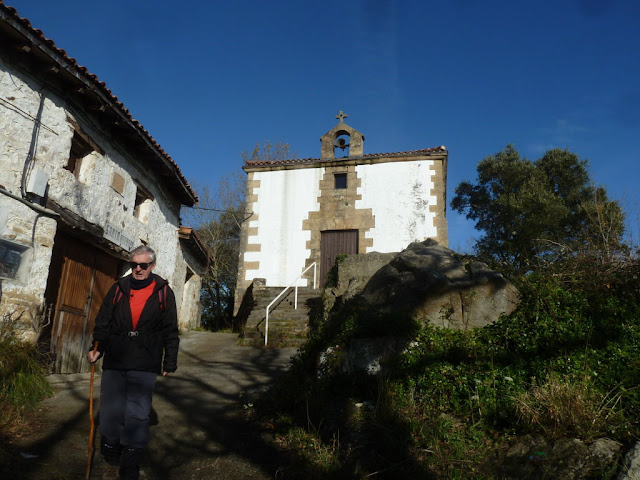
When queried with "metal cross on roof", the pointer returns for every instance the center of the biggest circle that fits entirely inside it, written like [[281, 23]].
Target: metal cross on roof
[[341, 116]]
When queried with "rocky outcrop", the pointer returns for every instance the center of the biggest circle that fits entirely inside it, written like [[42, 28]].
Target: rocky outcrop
[[428, 281], [534, 457], [354, 271], [631, 465]]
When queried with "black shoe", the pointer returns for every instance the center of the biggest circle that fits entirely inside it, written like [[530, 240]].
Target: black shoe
[[130, 463], [111, 452], [129, 473]]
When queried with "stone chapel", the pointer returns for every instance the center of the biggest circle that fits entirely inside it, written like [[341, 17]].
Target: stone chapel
[[345, 202]]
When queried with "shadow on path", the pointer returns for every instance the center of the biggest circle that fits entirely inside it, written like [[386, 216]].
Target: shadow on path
[[198, 430]]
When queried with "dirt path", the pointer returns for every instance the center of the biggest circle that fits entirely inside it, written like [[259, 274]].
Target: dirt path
[[197, 432]]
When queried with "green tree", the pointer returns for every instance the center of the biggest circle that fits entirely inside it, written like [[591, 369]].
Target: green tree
[[534, 211]]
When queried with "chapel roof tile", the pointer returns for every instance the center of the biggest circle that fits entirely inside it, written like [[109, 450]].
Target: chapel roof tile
[[311, 161]]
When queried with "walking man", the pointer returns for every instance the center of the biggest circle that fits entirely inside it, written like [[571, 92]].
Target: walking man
[[137, 332]]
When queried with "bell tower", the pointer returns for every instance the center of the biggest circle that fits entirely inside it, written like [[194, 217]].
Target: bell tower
[[341, 141]]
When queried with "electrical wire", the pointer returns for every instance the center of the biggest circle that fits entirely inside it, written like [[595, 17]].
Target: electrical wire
[[15, 108]]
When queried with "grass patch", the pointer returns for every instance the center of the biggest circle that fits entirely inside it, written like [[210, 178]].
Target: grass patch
[[22, 382], [562, 407]]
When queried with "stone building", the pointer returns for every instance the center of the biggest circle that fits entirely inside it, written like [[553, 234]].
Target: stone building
[[311, 210], [81, 184]]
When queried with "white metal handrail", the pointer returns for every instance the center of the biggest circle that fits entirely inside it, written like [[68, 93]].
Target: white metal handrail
[[295, 302]]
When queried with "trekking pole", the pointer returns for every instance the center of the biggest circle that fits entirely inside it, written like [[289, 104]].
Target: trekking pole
[[93, 423]]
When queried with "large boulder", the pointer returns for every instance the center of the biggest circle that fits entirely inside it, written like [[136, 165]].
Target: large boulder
[[354, 271], [533, 457], [430, 282]]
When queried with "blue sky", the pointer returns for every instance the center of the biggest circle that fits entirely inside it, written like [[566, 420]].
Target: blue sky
[[209, 79]]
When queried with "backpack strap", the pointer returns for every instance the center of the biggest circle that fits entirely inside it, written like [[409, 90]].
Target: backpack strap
[[162, 297], [118, 295]]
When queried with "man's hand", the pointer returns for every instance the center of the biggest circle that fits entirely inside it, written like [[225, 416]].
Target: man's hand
[[93, 356], [164, 374]]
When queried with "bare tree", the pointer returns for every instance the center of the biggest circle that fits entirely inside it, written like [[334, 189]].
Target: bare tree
[[218, 220], [268, 152]]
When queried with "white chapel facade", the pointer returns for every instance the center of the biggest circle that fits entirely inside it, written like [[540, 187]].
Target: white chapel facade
[[311, 210]]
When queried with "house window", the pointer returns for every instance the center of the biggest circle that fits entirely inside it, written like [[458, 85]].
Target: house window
[[340, 181], [80, 148], [10, 258], [142, 206]]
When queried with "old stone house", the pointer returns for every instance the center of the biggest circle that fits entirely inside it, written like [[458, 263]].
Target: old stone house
[[306, 211], [81, 184]]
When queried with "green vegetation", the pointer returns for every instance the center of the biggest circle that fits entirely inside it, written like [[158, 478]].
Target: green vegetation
[[532, 212], [22, 378], [449, 403], [565, 364]]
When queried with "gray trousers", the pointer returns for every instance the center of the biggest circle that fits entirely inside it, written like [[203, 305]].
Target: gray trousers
[[125, 403]]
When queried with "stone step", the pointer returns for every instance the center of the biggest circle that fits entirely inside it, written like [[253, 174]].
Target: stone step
[[275, 320], [288, 326], [283, 301], [303, 309], [290, 294]]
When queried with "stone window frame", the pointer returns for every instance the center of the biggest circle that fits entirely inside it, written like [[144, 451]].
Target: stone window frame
[[340, 181], [142, 203], [80, 148], [82, 145]]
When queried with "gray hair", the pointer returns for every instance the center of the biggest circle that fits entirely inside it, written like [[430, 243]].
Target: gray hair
[[141, 250]]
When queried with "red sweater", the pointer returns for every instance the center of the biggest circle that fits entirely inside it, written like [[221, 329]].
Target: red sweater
[[137, 300]]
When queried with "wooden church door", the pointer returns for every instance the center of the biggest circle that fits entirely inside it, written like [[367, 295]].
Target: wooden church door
[[332, 244]]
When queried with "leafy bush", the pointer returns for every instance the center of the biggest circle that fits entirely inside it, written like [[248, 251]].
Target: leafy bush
[[565, 363]]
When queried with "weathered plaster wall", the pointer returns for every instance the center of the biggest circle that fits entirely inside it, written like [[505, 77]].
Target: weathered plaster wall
[[278, 249], [24, 294], [19, 223], [399, 194], [391, 203], [190, 311], [92, 196]]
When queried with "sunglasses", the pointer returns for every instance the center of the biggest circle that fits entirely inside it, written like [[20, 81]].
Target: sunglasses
[[143, 266]]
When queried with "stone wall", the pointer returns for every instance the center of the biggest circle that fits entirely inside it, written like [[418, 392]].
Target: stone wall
[[101, 193], [190, 311]]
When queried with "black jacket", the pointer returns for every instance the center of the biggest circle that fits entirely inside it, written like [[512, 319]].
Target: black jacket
[[157, 331]]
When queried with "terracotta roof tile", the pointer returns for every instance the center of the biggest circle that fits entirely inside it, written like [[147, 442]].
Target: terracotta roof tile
[[310, 161]]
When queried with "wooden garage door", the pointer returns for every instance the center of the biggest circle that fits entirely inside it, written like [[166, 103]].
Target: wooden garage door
[[332, 244], [87, 274]]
